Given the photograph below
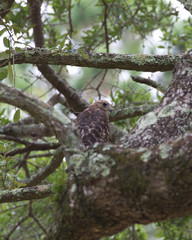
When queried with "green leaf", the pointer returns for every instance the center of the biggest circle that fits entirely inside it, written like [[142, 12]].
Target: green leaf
[[16, 116], [20, 184], [10, 71], [3, 73], [2, 31], [6, 42], [83, 54], [19, 49]]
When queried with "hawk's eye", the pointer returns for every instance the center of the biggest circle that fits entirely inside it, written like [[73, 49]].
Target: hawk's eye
[[104, 104]]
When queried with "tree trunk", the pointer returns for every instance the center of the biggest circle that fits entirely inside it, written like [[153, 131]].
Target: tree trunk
[[147, 178]]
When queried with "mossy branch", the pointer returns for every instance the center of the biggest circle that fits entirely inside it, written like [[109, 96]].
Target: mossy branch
[[21, 194], [148, 63]]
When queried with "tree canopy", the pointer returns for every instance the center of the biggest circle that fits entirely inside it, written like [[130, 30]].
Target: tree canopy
[[56, 58]]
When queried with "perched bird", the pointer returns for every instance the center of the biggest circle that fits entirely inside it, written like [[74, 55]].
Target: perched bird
[[93, 123]]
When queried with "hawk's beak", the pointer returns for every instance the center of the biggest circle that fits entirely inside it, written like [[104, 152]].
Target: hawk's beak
[[109, 108]]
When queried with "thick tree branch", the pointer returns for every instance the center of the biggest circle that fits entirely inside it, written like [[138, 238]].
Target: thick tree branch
[[38, 109], [5, 7], [74, 100], [123, 187], [21, 194], [173, 115], [131, 112], [148, 63], [187, 4], [35, 9], [26, 130]]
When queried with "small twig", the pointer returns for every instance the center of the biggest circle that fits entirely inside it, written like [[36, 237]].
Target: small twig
[[30, 214], [55, 163], [23, 164], [93, 78], [57, 98], [16, 225], [41, 155], [99, 85], [14, 139], [33, 147], [105, 25], [70, 20], [149, 82]]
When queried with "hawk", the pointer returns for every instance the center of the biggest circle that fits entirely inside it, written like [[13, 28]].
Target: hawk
[[93, 123]]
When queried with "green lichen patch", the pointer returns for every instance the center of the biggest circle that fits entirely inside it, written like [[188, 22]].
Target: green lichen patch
[[100, 165], [145, 156], [75, 162], [148, 120], [168, 110], [164, 151]]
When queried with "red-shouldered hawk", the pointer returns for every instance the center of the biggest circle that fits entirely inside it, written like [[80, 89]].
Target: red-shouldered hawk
[[93, 123]]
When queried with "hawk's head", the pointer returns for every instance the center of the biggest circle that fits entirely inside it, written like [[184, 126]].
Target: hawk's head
[[103, 105]]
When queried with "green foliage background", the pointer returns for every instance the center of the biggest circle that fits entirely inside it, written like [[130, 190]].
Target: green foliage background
[[131, 26]]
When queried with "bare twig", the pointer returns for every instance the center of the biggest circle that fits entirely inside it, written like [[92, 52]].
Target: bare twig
[[41, 155], [33, 147], [16, 225], [55, 163], [30, 214], [14, 139], [149, 82], [99, 85], [105, 25], [70, 20], [23, 164]]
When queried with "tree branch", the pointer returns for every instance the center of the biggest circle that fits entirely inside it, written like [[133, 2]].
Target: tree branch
[[148, 63], [35, 9], [187, 4], [5, 7], [173, 115], [54, 164], [21, 194], [149, 82], [131, 112], [74, 101], [33, 147], [26, 130], [38, 109], [105, 25], [123, 187]]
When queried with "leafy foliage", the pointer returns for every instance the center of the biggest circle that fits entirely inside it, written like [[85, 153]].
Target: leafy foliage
[[123, 26]]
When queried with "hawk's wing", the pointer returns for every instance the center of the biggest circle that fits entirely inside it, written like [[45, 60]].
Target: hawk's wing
[[93, 125]]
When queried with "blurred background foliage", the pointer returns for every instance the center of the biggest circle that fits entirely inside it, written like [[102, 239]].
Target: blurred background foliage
[[133, 27]]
